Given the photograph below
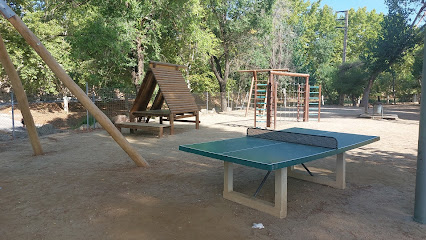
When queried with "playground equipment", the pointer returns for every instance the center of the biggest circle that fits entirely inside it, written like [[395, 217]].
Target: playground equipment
[[35, 43], [22, 98], [314, 106], [173, 91], [265, 96]]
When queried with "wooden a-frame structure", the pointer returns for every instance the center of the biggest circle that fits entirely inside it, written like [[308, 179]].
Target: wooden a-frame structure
[[173, 91]]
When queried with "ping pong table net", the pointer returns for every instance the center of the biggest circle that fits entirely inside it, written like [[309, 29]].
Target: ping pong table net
[[299, 138]]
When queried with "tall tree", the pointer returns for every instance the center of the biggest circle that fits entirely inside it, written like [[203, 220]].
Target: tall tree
[[34, 74], [350, 79], [233, 22], [282, 35], [398, 36]]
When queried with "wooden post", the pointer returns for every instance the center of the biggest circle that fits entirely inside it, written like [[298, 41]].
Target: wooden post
[[307, 95], [172, 124], [269, 91], [298, 101], [35, 43], [275, 103], [250, 93], [197, 120], [22, 98]]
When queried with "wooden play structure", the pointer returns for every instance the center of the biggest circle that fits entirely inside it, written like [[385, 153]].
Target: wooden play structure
[[265, 96], [172, 92], [56, 68]]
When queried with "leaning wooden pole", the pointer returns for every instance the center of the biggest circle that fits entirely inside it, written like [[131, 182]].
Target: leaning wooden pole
[[22, 98], [35, 43]]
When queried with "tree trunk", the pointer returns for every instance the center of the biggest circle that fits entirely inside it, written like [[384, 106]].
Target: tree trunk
[[221, 78], [141, 60], [354, 100], [223, 102], [366, 95], [342, 99]]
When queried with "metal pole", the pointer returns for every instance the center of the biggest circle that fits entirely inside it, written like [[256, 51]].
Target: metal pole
[[93, 100], [13, 116], [345, 39], [420, 194], [346, 36], [87, 111], [207, 101]]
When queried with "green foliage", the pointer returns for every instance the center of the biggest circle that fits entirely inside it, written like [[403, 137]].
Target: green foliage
[[108, 43], [364, 27], [35, 75], [350, 79], [98, 46], [417, 66], [204, 82]]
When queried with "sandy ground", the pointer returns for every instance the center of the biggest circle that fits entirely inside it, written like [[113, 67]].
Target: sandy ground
[[86, 187]]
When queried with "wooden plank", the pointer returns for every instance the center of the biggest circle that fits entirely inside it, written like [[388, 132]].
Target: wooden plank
[[151, 114], [290, 74], [158, 102], [182, 110], [140, 125], [136, 103], [134, 125], [184, 104], [145, 94], [167, 111], [154, 64], [265, 70], [175, 90]]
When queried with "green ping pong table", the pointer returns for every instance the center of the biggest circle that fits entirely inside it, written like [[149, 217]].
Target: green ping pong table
[[279, 151]]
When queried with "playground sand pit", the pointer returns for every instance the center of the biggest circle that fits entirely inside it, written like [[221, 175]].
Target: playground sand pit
[[86, 187]]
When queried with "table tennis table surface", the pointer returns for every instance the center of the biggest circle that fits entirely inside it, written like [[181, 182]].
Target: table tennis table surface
[[271, 154]]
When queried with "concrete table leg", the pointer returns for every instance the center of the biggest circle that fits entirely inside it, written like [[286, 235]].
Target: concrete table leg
[[339, 182], [278, 208], [341, 171]]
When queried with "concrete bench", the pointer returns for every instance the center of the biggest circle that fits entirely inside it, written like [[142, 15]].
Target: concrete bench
[[141, 125]]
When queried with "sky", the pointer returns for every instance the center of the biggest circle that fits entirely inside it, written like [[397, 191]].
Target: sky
[[340, 5]]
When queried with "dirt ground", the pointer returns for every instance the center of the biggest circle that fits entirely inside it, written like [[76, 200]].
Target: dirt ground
[[86, 187]]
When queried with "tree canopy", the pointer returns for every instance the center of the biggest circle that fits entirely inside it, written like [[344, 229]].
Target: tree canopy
[[108, 43]]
